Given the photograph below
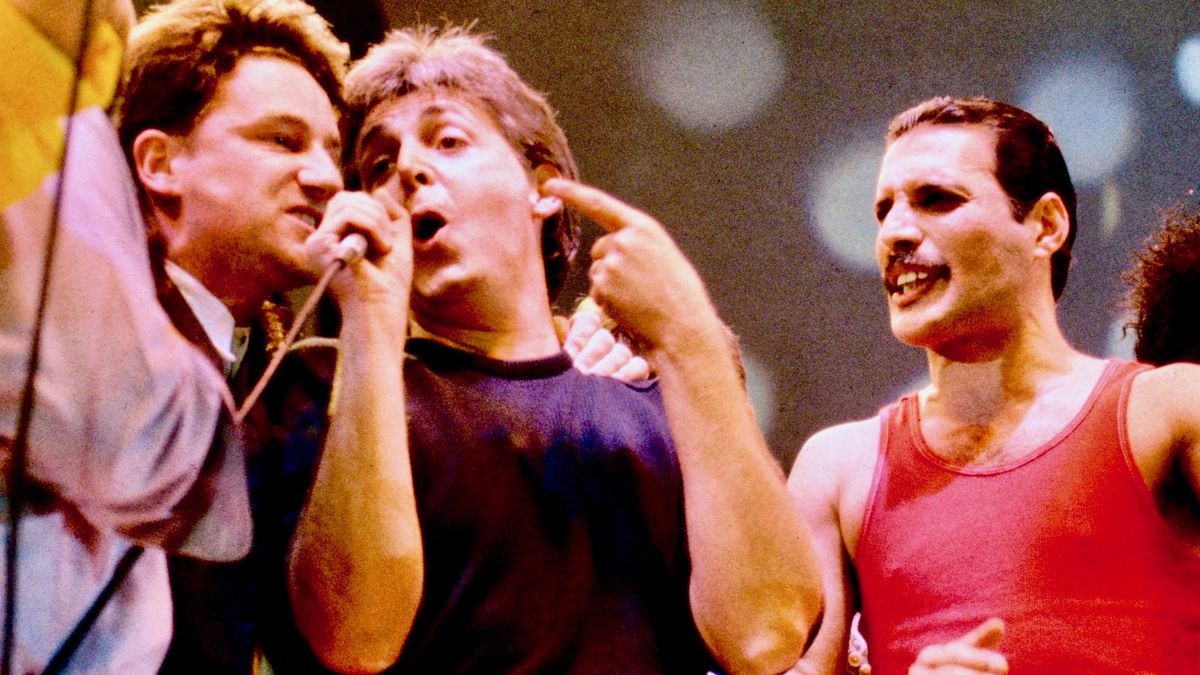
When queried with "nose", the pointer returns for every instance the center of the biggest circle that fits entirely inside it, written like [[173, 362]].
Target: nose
[[412, 169], [898, 231], [320, 176]]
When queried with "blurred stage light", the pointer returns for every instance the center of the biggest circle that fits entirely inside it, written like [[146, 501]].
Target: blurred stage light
[[1089, 105], [710, 65], [1118, 344], [1110, 206], [841, 203], [760, 384], [1187, 68]]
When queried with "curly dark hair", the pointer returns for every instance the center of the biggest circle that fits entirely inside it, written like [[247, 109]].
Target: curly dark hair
[[1164, 290]]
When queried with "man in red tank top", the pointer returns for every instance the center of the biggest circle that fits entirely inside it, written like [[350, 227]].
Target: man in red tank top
[[1034, 507]]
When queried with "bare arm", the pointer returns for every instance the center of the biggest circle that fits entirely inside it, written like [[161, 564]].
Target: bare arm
[[815, 486], [356, 567], [755, 590], [1187, 404], [1164, 424]]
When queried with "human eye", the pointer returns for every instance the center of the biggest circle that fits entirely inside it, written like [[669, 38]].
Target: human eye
[[450, 139], [937, 200], [882, 207], [288, 141], [376, 169]]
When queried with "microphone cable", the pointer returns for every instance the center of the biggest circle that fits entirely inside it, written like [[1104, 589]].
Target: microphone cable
[[351, 248], [17, 469]]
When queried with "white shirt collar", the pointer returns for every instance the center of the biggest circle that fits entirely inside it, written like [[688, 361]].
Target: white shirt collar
[[212, 314]]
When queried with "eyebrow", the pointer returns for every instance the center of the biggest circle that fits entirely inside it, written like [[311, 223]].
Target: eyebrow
[[367, 138], [333, 142], [379, 127]]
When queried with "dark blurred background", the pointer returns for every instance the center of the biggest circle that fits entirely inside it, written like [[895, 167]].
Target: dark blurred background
[[753, 131]]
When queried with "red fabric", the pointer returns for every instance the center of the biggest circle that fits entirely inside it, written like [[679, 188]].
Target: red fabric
[[1066, 545]]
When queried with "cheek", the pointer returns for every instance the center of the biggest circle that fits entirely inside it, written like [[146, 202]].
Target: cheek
[[881, 256]]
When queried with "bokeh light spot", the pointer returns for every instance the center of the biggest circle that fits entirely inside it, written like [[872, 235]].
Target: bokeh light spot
[[1119, 343], [1187, 68], [710, 65], [841, 203], [760, 383], [1090, 107]]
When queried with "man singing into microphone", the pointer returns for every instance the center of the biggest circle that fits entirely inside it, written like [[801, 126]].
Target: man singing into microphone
[[526, 517], [229, 119]]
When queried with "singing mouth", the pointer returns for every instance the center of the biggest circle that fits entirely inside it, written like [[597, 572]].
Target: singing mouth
[[426, 224], [906, 278], [310, 217]]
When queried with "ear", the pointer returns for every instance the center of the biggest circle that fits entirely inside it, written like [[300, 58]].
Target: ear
[[153, 151], [1052, 225], [545, 206]]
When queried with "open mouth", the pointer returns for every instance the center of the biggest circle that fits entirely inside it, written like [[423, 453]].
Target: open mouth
[[907, 279], [310, 217], [426, 224]]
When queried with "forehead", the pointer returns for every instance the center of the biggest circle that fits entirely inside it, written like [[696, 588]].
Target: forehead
[[261, 87], [939, 153], [424, 106]]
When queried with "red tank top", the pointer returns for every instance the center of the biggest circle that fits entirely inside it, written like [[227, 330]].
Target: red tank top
[[1066, 545]]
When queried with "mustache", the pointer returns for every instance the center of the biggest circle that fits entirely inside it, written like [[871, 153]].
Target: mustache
[[909, 259]]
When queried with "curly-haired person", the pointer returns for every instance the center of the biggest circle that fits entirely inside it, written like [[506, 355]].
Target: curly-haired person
[[1164, 290]]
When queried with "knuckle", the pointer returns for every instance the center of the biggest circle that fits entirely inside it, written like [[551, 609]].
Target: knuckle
[[603, 339]]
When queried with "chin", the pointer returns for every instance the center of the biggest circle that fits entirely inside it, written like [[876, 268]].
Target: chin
[[918, 329], [433, 294]]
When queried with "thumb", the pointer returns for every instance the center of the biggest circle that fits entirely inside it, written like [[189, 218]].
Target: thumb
[[986, 635], [394, 210]]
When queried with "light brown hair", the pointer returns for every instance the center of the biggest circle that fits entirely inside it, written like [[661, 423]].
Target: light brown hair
[[458, 61]]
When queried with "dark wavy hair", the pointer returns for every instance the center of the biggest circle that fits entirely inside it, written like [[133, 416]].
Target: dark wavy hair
[[1164, 290], [1029, 162]]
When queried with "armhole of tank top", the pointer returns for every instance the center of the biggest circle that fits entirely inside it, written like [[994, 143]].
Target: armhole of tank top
[[1144, 495], [885, 416]]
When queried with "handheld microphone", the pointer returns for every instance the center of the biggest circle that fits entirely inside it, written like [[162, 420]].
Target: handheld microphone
[[352, 247]]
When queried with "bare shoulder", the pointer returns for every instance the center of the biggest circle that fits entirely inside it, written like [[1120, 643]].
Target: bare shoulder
[[831, 481], [835, 465], [1170, 392], [1163, 417], [839, 448], [1178, 378]]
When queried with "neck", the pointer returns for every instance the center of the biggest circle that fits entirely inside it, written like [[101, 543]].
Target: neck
[[240, 291], [1002, 373], [240, 284], [517, 335], [244, 303]]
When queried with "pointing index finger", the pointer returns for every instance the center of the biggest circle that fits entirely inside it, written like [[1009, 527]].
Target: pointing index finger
[[609, 212]]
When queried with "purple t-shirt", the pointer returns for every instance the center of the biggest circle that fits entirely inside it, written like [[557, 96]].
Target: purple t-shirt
[[551, 508]]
